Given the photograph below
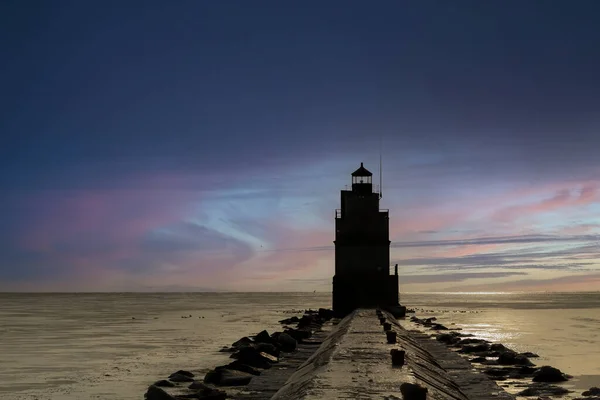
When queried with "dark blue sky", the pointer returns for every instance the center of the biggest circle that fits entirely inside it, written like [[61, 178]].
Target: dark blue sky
[[472, 99]]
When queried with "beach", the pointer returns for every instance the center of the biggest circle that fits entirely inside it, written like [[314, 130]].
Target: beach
[[113, 345]]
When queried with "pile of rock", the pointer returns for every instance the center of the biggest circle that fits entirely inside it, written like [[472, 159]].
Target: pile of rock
[[429, 322], [198, 389], [592, 394], [252, 355], [501, 363]]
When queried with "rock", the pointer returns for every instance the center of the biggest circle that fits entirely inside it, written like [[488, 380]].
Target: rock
[[203, 392], [308, 320], [325, 313], [180, 378], [474, 348], [226, 349], [220, 395], [292, 320], [478, 360], [397, 357], [198, 385], [298, 334], [286, 342], [497, 371], [243, 342], [490, 362], [238, 366], [522, 372], [438, 327], [230, 377], [448, 338], [411, 391], [472, 341], [183, 372], [520, 359], [593, 391], [541, 389], [527, 370], [164, 383], [213, 376], [529, 354], [268, 348], [486, 354], [215, 394], [263, 337], [254, 358], [497, 347], [549, 374], [156, 393], [507, 357], [387, 326]]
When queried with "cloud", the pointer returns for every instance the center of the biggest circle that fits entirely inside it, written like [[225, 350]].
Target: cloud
[[455, 277], [486, 240], [532, 258], [500, 240], [572, 282], [562, 199]]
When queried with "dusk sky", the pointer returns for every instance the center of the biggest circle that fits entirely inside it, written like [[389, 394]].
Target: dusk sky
[[201, 145]]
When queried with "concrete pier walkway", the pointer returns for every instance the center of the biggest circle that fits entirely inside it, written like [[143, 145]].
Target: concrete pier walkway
[[354, 362]]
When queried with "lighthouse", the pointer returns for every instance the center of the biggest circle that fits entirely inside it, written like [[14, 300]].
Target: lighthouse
[[362, 250]]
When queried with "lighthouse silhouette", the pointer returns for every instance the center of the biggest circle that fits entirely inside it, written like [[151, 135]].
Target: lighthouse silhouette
[[362, 251]]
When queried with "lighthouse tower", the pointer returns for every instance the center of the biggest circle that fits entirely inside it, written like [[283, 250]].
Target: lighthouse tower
[[362, 249]]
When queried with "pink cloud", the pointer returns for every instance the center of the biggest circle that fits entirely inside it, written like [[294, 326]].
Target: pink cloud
[[415, 221], [87, 232], [563, 198], [467, 250], [569, 283]]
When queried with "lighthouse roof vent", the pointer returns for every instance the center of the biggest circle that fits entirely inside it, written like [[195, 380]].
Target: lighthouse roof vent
[[362, 171]]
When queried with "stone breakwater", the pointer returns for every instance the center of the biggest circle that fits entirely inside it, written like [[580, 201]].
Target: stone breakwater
[[369, 354], [503, 364], [254, 358]]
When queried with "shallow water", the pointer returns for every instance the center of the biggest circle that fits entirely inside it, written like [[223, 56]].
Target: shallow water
[[88, 346], [562, 328]]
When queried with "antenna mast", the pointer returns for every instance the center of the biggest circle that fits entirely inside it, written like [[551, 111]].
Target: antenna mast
[[380, 169]]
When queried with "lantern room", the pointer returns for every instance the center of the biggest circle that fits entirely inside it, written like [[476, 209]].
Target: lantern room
[[362, 180]]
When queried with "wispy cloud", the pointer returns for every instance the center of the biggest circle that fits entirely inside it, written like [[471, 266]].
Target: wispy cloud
[[562, 199], [456, 277], [496, 240], [572, 282]]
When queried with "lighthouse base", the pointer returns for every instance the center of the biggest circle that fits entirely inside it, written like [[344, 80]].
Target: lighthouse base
[[366, 291]]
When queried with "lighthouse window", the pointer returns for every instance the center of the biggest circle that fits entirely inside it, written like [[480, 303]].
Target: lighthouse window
[[361, 179]]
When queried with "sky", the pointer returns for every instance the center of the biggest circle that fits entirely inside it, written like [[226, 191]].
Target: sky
[[202, 145]]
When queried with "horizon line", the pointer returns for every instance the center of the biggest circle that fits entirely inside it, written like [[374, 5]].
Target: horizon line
[[292, 292]]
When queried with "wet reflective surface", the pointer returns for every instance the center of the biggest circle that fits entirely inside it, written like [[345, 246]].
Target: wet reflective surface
[[87, 346]]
